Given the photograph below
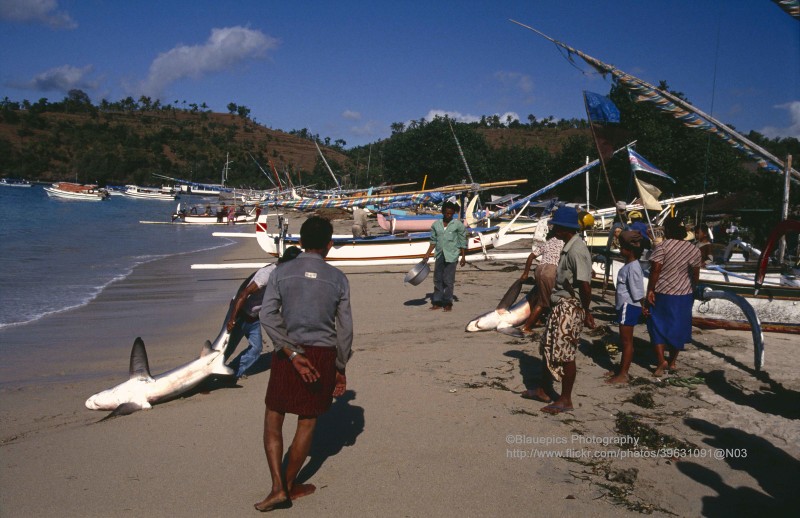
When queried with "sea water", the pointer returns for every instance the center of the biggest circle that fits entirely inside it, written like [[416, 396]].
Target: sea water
[[60, 254]]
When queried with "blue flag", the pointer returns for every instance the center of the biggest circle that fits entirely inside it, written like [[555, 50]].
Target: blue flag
[[600, 108], [639, 163]]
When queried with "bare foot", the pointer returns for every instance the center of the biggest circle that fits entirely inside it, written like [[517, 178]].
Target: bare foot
[[557, 407], [673, 369], [274, 500], [536, 394], [619, 378], [301, 490], [660, 370]]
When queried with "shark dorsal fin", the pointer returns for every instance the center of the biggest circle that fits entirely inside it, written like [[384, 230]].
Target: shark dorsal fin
[[139, 366], [206, 349]]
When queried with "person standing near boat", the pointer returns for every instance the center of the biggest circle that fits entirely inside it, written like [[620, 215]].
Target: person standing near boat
[[545, 277], [243, 321], [570, 302], [628, 300], [306, 313], [637, 223], [674, 273], [703, 243], [449, 239], [359, 222]]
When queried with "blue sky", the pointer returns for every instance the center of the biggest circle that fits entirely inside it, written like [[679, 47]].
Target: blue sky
[[349, 69]]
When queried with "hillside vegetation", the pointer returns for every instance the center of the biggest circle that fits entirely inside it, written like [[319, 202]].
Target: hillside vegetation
[[129, 141]]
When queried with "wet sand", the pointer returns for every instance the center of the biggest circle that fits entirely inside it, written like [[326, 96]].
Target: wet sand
[[432, 423]]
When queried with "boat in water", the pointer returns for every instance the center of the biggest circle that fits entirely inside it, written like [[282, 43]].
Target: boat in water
[[14, 182], [76, 191], [134, 191], [208, 216]]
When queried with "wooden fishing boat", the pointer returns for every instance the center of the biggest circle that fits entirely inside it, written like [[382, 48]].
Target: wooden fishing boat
[[777, 301], [194, 216], [134, 191], [409, 248], [76, 191]]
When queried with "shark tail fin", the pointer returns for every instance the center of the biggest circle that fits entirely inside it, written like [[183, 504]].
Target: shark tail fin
[[207, 349], [139, 366], [511, 295]]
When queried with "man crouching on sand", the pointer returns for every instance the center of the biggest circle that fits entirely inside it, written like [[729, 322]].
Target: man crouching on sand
[[306, 312]]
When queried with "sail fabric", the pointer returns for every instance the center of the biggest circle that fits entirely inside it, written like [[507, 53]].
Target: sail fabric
[[640, 163]]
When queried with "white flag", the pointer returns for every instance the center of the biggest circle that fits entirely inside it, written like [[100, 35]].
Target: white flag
[[649, 194]]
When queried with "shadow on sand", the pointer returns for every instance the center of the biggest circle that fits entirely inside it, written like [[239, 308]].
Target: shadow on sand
[[774, 470], [336, 428]]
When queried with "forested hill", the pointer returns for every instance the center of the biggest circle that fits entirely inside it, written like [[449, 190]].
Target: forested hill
[[128, 141]]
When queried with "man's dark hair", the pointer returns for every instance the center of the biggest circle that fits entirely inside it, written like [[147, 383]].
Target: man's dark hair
[[450, 205], [674, 229], [316, 233]]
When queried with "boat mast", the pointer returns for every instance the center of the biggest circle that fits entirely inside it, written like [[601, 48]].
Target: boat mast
[[339, 187]]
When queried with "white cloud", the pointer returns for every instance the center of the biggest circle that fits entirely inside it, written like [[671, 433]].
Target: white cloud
[[516, 84], [36, 11], [793, 130], [225, 48], [62, 79], [351, 115], [521, 82], [460, 117], [368, 129], [456, 116]]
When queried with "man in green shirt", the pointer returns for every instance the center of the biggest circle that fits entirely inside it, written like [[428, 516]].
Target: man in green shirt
[[449, 238]]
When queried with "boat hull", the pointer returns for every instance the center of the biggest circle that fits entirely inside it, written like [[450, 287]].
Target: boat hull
[[57, 193], [389, 249], [133, 191], [775, 302]]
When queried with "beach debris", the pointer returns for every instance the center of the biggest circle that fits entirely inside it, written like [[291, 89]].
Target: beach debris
[[630, 425], [643, 399], [624, 476], [686, 382]]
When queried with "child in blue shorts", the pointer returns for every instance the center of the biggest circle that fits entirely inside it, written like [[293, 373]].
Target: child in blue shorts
[[628, 300]]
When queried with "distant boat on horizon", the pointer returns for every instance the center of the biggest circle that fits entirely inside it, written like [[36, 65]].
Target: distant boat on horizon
[[15, 182]]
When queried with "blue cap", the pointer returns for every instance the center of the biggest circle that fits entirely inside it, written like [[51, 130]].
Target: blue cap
[[566, 217]]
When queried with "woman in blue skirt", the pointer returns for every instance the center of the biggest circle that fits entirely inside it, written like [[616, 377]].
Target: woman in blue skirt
[[674, 272]]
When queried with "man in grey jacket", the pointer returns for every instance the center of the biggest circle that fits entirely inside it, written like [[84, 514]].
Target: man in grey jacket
[[306, 313]]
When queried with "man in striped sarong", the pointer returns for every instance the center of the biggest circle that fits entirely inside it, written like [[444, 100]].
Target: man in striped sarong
[[569, 314]]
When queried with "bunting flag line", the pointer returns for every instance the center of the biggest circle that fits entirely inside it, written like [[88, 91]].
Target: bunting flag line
[[790, 7], [648, 193], [640, 163], [678, 108]]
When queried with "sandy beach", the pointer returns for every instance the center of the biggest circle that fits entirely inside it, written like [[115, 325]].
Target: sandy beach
[[432, 423]]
